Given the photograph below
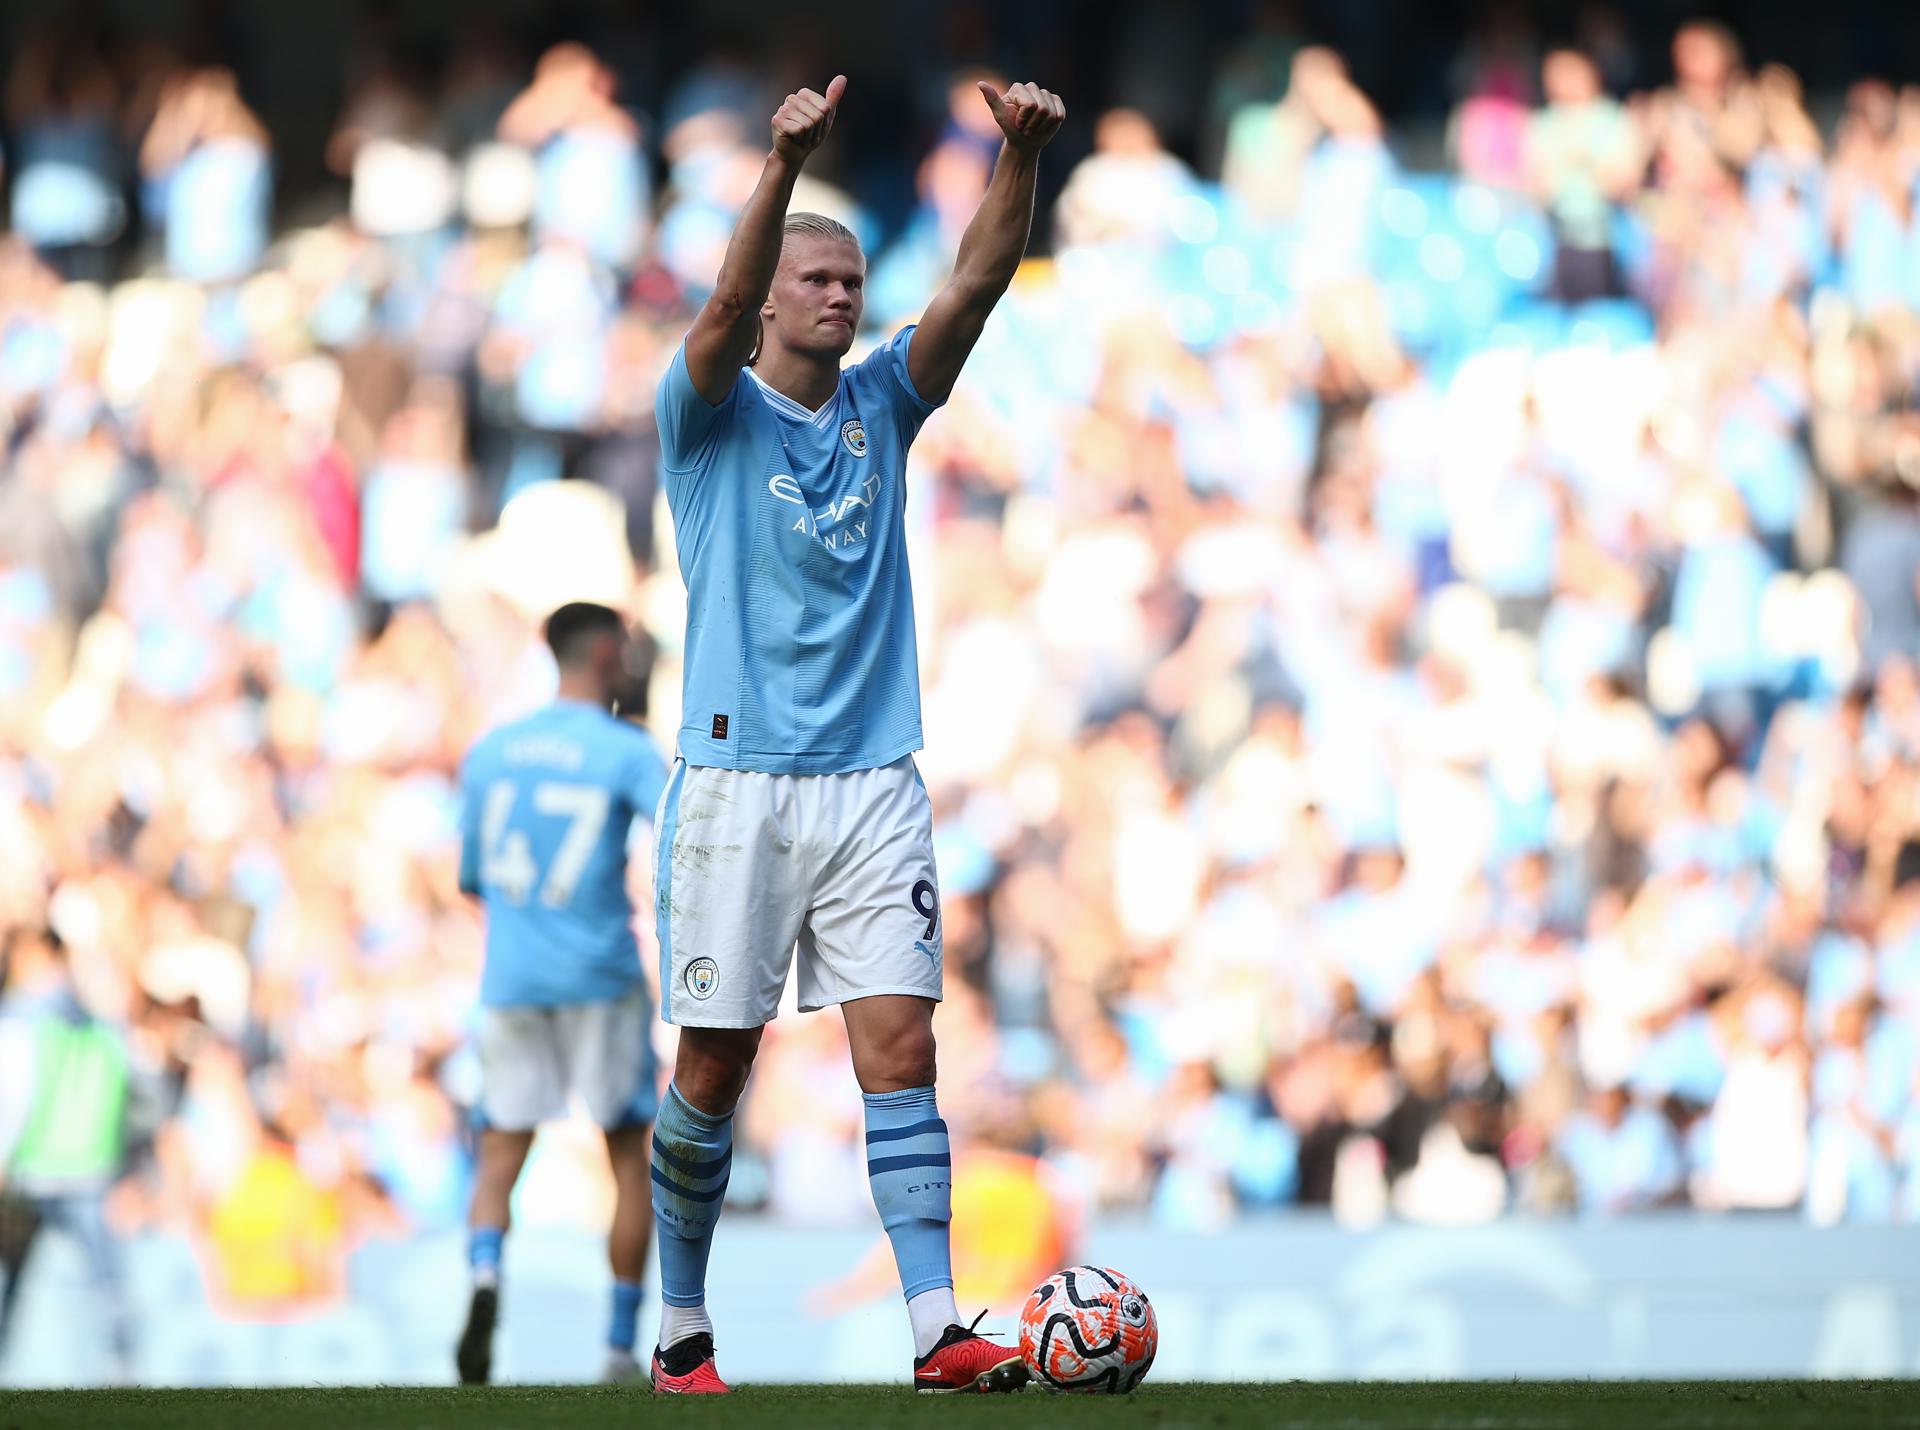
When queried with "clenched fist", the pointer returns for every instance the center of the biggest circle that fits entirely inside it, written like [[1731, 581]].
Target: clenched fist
[[802, 124]]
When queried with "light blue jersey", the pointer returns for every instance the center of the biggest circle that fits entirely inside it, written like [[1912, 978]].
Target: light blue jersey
[[548, 803], [800, 655]]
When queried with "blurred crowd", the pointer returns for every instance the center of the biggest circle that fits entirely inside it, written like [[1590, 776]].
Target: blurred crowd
[[1421, 687]]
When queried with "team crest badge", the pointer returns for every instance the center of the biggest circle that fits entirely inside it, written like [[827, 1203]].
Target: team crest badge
[[855, 436], [702, 978]]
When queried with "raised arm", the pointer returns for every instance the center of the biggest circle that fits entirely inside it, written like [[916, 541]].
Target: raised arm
[[993, 244], [723, 333]]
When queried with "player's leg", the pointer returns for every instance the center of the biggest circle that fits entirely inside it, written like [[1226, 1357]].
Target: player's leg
[[522, 1077], [611, 1069], [910, 1168], [909, 1160], [502, 1155], [628, 1151], [873, 945], [729, 896], [692, 1159]]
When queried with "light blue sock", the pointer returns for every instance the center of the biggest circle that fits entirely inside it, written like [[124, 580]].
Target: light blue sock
[[692, 1154], [483, 1253], [911, 1168], [623, 1325]]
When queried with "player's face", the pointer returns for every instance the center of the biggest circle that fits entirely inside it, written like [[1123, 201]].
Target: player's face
[[817, 296]]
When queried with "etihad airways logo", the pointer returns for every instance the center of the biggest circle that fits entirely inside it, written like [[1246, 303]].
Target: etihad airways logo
[[837, 525]]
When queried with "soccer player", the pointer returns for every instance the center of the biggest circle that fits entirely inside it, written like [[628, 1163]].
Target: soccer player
[[548, 804], [794, 811]]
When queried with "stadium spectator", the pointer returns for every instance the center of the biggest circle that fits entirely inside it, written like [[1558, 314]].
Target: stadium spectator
[[1706, 126], [949, 182], [1252, 74], [1121, 192], [1881, 556], [413, 502], [402, 181], [1581, 160], [208, 179], [1623, 1156], [1494, 75], [1870, 200], [67, 162], [64, 1086], [592, 185], [1314, 163]]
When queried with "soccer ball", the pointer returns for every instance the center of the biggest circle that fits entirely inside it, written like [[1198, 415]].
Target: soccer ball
[[1088, 1329]]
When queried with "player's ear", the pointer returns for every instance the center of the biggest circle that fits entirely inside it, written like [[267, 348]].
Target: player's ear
[[611, 651]]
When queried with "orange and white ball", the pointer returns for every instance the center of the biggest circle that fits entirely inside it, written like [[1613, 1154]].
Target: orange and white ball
[[1088, 1328]]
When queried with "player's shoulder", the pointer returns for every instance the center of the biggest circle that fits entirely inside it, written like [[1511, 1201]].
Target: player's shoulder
[[483, 750], [624, 755], [884, 358], [676, 380], [695, 433], [616, 733], [545, 720], [883, 373]]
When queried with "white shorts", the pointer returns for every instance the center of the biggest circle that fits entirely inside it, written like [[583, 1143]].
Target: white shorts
[[533, 1059], [748, 865]]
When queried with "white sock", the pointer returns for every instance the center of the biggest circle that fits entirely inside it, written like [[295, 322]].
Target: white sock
[[931, 1312], [486, 1278], [679, 1322]]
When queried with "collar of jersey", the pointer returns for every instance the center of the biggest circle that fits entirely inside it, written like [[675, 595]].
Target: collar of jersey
[[787, 407]]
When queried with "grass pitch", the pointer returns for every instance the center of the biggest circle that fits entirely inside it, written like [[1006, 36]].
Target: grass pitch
[[1518, 1405]]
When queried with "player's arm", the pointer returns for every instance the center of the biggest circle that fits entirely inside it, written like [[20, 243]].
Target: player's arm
[[469, 837], [645, 779], [722, 336], [993, 244]]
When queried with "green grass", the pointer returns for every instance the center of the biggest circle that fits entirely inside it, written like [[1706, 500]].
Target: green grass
[[1518, 1405]]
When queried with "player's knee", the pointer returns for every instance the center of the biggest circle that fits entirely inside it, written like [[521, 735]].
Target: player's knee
[[712, 1086], [902, 1058], [502, 1155], [916, 1057], [712, 1064], [628, 1152]]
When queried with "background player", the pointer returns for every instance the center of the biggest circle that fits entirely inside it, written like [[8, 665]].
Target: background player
[[794, 812], [548, 804]]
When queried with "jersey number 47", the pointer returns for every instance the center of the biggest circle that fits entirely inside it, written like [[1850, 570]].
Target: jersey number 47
[[507, 864]]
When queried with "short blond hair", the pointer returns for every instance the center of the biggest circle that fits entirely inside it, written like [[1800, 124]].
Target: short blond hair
[[819, 225]]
